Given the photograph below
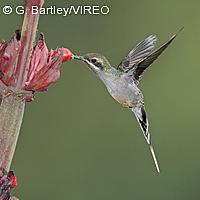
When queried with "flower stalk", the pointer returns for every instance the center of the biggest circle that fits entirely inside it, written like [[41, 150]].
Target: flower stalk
[[12, 105], [28, 34], [25, 68], [11, 112]]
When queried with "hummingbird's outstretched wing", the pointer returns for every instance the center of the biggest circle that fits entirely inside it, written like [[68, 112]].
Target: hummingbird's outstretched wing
[[138, 53], [136, 67], [141, 117], [140, 67]]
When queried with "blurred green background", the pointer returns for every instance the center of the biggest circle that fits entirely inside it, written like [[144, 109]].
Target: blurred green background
[[77, 143]]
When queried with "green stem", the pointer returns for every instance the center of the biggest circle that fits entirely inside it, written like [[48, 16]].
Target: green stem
[[12, 107], [11, 112], [28, 34]]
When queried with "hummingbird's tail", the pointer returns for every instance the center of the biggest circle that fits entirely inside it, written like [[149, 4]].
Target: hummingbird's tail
[[141, 117], [154, 158]]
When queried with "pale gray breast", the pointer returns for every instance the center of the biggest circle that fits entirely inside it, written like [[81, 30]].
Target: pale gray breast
[[122, 90]]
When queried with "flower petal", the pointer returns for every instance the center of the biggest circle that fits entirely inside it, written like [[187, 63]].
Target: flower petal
[[67, 55], [44, 67], [8, 57], [38, 60]]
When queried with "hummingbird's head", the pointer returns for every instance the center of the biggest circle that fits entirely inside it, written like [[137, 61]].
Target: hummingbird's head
[[96, 62]]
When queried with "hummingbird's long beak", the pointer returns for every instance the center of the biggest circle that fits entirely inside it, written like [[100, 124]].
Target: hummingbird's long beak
[[79, 58]]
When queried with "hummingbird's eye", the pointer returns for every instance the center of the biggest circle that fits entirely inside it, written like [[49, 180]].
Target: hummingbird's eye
[[93, 60]]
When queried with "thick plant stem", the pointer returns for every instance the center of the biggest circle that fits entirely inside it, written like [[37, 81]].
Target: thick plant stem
[[12, 107], [28, 34], [11, 112]]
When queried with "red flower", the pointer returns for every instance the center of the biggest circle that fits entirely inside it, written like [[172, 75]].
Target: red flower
[[44, 68], [7, 182], [8, 57]]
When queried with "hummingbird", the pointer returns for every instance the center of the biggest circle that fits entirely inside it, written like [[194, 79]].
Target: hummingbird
[[122, 81]]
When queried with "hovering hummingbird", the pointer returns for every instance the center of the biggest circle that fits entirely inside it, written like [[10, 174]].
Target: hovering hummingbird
[[122, 81]]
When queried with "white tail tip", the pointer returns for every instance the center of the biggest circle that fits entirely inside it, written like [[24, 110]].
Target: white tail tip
[[154, 158]]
